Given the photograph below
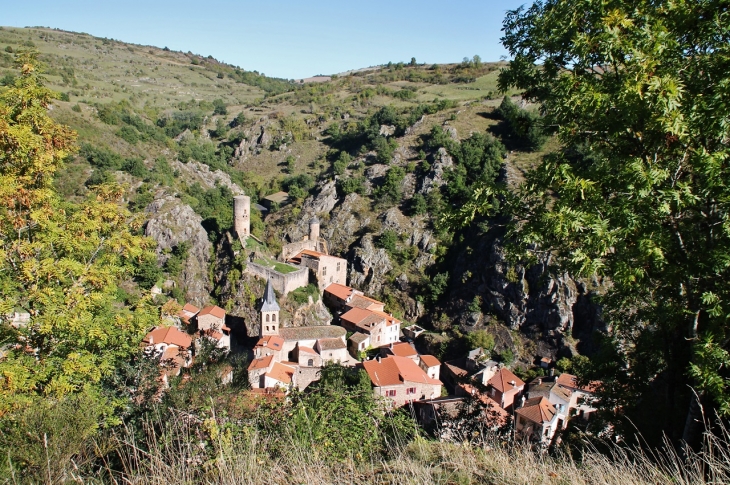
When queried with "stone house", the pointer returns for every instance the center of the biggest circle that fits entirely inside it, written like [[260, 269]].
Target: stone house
[[307, 357], [538, 420], [257, 368], [430, 365], [332, 349], [401, 380], [280, 375], [581, 399], [337, 296], [173, 348], [326, 269], [358, 342], [504, 387], [188, 312], [269, 345], [211, 317], [382, 328]]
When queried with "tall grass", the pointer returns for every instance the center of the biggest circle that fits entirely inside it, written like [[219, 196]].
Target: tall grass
[[173, 452]]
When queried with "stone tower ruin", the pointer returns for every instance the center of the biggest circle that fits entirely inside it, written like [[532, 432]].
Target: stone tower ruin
[[242, 216]]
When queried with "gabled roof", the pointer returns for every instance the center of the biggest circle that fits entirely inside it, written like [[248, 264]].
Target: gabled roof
[[538, 410], [339, 291], [271, 342], [331, 344], [502, 380], [394, 370], [571, 382], [189, 308], [495, 414], [262, 363], [430, 361], [311, 333], [402, 349], [269, 303], [367, 319], [358, 337], [306, 350], [169, 336], [216, 311], [280, 372], [455, 369], [365, 302]]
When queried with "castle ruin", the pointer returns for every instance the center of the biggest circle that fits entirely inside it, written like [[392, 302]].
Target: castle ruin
[[242, 217]]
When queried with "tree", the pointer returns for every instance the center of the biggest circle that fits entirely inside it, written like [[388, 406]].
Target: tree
[[639, 191], [59, 262]]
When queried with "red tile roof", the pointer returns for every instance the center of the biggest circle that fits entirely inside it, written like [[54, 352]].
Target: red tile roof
[[403, 349], [216, 311], [280, 372], [571, 382], [307, 350], [366, 319], [430, 361], [339, 291], [271, 342], [394, 370], [190, 308], [362, 301], [169, 336], [502, 380], [538, 410], [262, 363]]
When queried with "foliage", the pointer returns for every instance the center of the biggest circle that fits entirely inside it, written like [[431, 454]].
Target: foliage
[[638, 94], [388, 240], [480, 338], [302, 295], [60, 262], [523, 126], [351, 185], [390, 192]]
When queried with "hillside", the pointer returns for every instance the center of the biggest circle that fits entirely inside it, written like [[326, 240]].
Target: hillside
[[171, 124]]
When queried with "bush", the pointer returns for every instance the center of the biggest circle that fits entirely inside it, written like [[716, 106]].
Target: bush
[[480, 338], [388, 240], [340, 165], [351, 185], [301, 295], [418, 205], [219, 107]]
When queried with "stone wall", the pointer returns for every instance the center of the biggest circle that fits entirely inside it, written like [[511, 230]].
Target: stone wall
[[292, 249], [283, 283]]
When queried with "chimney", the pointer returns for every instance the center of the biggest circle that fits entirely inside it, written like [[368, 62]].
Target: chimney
[[552, 371], [152, 340], [513, 383], [378, 358], [539, 381]]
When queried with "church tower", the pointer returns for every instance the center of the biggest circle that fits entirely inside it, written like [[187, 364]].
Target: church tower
[[269, 312]]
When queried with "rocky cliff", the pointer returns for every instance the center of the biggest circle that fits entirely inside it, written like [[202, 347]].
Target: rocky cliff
[[171, 222]]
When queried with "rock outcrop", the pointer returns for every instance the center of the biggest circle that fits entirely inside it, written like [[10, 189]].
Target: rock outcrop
[[369, 265], [435, 178], [171, 223], [198, 172]]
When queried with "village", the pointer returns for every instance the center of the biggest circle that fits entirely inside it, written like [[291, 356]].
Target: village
[[363, 335]]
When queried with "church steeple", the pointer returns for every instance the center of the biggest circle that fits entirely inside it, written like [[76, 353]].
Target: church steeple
[[269, 312]]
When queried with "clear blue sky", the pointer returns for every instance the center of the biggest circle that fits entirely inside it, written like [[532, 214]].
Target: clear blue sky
[[290, 39]]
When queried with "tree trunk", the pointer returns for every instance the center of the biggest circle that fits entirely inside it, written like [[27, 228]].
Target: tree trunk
[[694, 425]]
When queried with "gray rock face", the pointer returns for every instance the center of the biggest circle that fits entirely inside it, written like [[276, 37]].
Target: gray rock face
[[435, 178], [198, 172], [369, 266], [324, 202], [311, 315], [387, 130], [172, 222], [542, 305]]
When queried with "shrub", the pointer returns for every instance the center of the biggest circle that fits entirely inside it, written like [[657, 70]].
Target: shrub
[[388, 240], [349, 185], [480, 338]]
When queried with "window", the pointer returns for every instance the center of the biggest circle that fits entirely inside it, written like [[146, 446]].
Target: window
[[390, 393], [267, 319], [267, 328], [410, 390], [273, 317], [324, 271], [310, 363], [273, 328], [338, 266]]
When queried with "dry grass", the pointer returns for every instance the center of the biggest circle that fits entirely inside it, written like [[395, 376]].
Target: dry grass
[[251, 458]]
